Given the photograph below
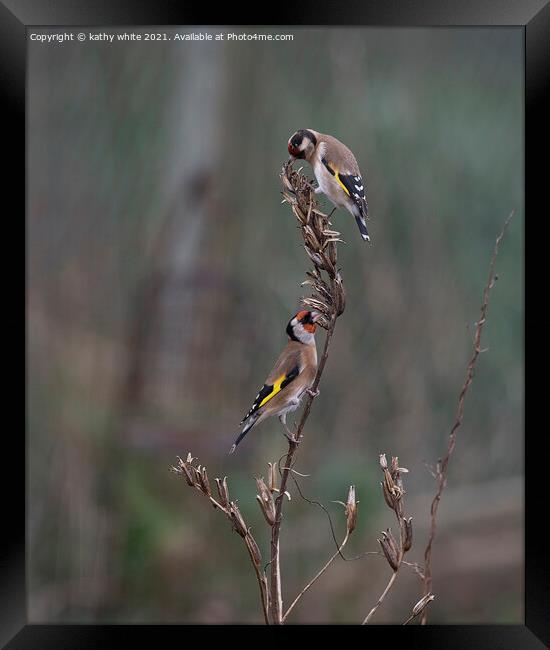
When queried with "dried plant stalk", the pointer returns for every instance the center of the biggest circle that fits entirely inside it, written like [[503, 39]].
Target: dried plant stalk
[[329, 299], [197, 477], [393, 550], [442, 465], [351, 521]]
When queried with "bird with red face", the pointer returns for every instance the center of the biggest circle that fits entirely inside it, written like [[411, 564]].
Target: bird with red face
[[291, 376], [336, 171]]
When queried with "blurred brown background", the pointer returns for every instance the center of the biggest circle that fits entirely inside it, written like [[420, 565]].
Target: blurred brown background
[[162, 270]]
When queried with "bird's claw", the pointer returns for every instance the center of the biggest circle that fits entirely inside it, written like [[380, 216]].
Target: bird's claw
[[293, 439], [312, 393], [312, 185]]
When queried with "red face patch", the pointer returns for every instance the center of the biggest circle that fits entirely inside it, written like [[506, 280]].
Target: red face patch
[[292, 150], [306, 315]]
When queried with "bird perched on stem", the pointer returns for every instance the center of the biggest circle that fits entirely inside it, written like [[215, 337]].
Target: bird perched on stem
[[336, 171], [292, 376]]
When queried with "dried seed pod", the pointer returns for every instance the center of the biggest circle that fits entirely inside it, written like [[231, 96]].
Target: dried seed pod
[[389, 547], [394, 469], [406, 533], [237, 519], [323, 290], [223, 491], [315, 257], [265, 499], [391, 539], [323, 322], [225, 487], [328, 265], [388, 497], [199, 480], [351, 510], [317, 305], [422, 604], [205, 483], [390, 485], [298, 213], [284, 177], [340, 297], [313, 240], [196, 475], [332, 249], [272, 477], [186, 471]]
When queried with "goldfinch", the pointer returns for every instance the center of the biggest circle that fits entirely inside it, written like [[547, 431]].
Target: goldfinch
[[336, 171], [292, 375]]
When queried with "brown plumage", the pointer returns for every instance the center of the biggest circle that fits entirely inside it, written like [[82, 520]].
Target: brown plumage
[[291, 376], [334, 150]]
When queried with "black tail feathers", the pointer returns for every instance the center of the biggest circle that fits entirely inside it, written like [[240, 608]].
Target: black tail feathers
[[250, 422], [362, 224]]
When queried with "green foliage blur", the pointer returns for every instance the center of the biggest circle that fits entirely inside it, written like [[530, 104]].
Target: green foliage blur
[[163, 268]]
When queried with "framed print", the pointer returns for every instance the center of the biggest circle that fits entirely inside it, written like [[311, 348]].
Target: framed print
[[317, 222]]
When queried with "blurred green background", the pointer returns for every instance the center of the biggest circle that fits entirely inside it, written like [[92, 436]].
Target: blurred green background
[[162, 270]]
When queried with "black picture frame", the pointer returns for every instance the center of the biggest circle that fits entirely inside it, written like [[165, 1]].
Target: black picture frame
[[15, 16]]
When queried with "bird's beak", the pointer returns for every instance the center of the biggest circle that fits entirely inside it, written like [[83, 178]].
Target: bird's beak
[[315, 316]]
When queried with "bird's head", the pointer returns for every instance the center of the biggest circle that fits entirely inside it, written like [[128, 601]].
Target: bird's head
[[302, 326], [302, 144]]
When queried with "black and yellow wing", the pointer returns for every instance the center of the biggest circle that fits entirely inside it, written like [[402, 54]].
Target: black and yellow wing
[[268, 391], [352, 184]]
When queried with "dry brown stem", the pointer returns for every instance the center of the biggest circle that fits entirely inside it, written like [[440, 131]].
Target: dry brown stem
[[197, 477], [351, 520], [328, 298], [393, 550], [442, 465]]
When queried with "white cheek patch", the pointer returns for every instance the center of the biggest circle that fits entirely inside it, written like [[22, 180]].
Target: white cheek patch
[[303, 335]]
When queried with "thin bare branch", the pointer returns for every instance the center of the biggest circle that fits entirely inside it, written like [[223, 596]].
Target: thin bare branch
[[317, 576], [314, 227], [351, 521], [381, 599], [394, 551], [442, 465], [276, 597], [197, 477]]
